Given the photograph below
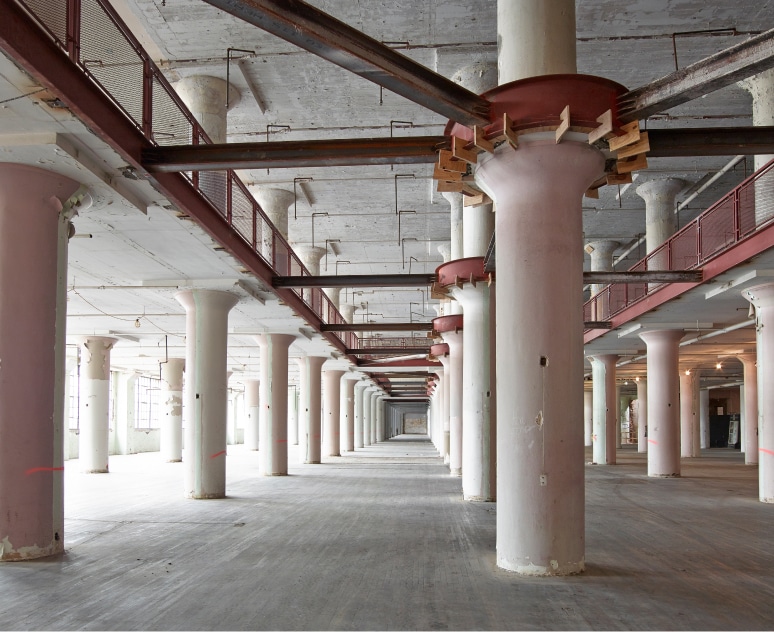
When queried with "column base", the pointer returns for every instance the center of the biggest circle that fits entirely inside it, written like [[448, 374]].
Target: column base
[[478, 499], [554, 570], [30, 552], [173, 461], [100, 471], [664, 475], [276, 474], [455, 472], [768, 501], [214, 496], [311, 462]]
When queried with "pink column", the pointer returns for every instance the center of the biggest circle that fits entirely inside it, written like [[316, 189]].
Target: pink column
[[762, 296], [311, 403], [750, 364], [642, 414], [332, 412], [273, 453], [33, 241], [690, 437], [605, 409], [206, 391], [663, 402]]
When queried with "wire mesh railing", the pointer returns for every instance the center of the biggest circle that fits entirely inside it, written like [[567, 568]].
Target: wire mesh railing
[[745, 210], [96, 40]]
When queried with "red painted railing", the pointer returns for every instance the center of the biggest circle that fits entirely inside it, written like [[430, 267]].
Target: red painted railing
[[95, 38], [734, 218]]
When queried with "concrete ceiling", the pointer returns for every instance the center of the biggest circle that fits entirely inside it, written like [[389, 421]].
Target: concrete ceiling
[[137, 239]]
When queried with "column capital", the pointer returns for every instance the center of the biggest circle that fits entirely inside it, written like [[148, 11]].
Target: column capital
[[662, 335], [310, 256], [761, 296], [661, 190]]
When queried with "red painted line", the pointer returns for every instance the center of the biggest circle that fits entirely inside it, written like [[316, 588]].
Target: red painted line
[[34, 470], [765, 451], [653, 442], [217, 454]]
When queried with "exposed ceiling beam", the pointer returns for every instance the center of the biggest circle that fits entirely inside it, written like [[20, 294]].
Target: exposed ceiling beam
[[356, 280], [378, 327], [317, 32], [402, 150], [646, 276], [388, 351], [708, 141], [733, 64]]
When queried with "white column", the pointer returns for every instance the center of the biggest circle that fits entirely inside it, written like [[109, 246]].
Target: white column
[[311, 398], [663, 402], [205, 96], [35, 220], [347, 406], [292, 414], [476, 393], [762, 296], [374, 421], [690, 439], [367, 396], [360, 388], [303, 408], [454, 340], [445, 408], [588, 416], [704, 418], [761, 87], [273, 455], [332, 412], [642, 415], [749, 362], [605, 408], [275, 204], [252, 401], [171, 436], [660, 218], [456, 244], [380, 436], [310, 256], [95, 400], [205, 391]]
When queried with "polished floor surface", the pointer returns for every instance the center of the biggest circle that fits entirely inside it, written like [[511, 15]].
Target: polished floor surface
[[381, 539]]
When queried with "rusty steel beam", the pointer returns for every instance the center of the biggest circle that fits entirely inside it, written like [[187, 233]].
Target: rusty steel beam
[[401, 150], [708, 141], [379, 327], [646, 276], [722, 69], [356, 280], [317, 32], [388, 351], [597, 324]]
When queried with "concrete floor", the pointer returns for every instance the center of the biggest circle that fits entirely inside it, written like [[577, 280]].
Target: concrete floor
[[382, 540]]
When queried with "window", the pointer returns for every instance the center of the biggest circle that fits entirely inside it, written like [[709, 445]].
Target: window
[[148, 409]]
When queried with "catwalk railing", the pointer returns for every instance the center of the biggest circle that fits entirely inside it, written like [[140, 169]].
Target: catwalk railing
[[735, 217], [97, 41]]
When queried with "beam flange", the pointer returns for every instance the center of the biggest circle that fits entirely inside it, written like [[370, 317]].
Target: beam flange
[[378, 327], [722, 69], [708, 141], [646, 276], [356, 280], [317, 32], [388, 351], [403, 150]]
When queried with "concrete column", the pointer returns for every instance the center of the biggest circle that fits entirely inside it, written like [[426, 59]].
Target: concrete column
[[292, 414], [689, 413], [601, 254], [540, 455], [347, 406], [456, 244], [476, 393], [374, 421], [171, 436], [605, 408], [34, 229], [205, 394], [704, 418], [311, 398], [333, 294], [588, 416], [535, 37], [642, 415], [205, 96], [367, 396], [438, 397], [660, 218], [273, 455], [761, 87], [663, 402], [332, 412], [380, 432], [762, 296], [742, 422], [253, 404], [303, 408], [360, 388], [454, 340], [446, 408], [750, 390], [275, 204], [310, 256], [94, 441]]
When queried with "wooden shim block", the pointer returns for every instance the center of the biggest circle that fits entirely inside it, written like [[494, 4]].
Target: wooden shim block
[[634, 163], [564, 126], [448, 162], [481, 142], [512, 138], [447, 176], [476, 200], [605, 128], [592, 193], [630, 136], [619, 178], [459, 151], [449, 187], [640, 147], [469, 190]]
